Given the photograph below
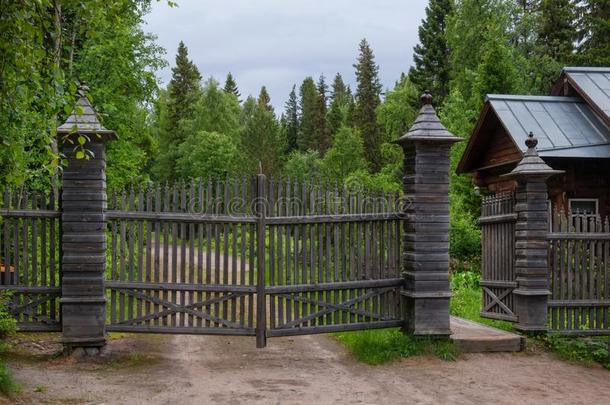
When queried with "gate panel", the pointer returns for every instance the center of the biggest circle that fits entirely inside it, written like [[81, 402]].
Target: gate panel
[[182, 259], [498, 256], [579, 271], [30, 258], [333, 259]]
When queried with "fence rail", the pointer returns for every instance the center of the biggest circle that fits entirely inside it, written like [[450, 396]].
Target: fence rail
[[579, 266], [30, 258]]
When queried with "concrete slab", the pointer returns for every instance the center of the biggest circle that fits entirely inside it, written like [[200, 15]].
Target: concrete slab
[[472, 337]]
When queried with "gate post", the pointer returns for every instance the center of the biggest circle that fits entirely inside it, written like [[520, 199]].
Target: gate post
[[425, 298], [83, 238], [531, 245]]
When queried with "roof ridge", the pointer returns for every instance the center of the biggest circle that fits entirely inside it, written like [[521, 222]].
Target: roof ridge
[[586, 69], [558, 99]]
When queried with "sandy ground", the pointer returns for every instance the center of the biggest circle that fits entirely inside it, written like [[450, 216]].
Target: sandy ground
[[154, 369]]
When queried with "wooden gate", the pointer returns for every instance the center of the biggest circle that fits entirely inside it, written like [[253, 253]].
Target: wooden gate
[[579, 270], [252, 257], [498, 251], [30, 257], [183, 259], [333, 259]]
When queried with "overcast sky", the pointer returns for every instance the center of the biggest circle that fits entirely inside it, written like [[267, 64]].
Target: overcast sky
[[278, 43]]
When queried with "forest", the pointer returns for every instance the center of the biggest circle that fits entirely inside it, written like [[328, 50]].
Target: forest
[[203, 127]]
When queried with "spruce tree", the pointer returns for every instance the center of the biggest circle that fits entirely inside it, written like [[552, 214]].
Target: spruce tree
[[183, 92], [184, 86], [231, 87], [321, 134], [309, 98], [291, 120], [557, 31], [261, 140], [339, 104], [594, 31], [367, 100], [431, 55], [264, 100]]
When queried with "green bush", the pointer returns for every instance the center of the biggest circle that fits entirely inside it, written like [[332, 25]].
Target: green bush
[[581, 350], [8, 326]]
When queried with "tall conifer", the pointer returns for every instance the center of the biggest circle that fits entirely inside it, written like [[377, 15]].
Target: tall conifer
[[367, 100], [291, 120], [184, 86], [431, 55], [557, 31], [339, 105], [307, 111], [231, 87]]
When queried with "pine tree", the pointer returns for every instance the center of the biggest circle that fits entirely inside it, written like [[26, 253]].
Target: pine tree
[[339, 104], [321, 134], [309, 99], [431, 56], [264, 100], [184, 86], [183, 92], [557, 31], [291, 120], [594, 31], [231, 87], [261, 140], [367, 100]]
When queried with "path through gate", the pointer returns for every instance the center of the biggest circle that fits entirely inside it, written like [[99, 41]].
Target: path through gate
[[252, 257], [498, 256]]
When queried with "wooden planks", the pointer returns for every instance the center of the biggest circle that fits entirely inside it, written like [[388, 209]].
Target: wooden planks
[[579, 274], [178, 258], [333, 258], [498, 256], [30, 256]]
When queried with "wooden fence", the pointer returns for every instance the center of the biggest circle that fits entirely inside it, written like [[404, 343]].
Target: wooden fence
[[498, 256], [30, 258], [579, 266], [253, 256]]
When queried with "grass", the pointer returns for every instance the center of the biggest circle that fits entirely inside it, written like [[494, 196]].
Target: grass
[[583, 350], [466, 303], [8, 386], [380, 346]]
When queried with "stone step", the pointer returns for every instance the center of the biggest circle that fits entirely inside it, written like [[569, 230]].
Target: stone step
[[472, 337]]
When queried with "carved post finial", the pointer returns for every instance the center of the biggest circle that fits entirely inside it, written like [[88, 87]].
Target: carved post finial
[[531, 142], [426, 98], [83, 89]]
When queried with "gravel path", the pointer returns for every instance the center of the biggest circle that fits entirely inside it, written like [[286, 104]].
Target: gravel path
[[152, 369]]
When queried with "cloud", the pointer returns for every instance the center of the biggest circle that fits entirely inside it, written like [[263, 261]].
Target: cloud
[[277, 43]]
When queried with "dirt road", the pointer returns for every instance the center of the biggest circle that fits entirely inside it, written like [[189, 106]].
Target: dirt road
[[301, 370]]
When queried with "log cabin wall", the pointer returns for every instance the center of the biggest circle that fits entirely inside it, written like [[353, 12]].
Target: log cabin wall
[[583, 178]]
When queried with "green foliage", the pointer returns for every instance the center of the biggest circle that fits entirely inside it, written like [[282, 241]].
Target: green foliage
[[466, 299], [367, 100], [594, 33], [8, 386], [341, 106], [214, 111], [261, 140], [384, 345], [8, 325], [345, 157], [431, 55], [580, 350], [291, 124], [208, 155], [231, 87], [397, 113], [309, 116], [302, 166]]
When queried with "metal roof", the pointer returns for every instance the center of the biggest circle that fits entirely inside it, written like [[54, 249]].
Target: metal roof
[[564, 126], [594, 82]]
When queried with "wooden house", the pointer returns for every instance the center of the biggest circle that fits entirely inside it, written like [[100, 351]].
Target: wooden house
[[573, 129]]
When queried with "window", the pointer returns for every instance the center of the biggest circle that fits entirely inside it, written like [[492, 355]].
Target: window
[[584, 206]]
